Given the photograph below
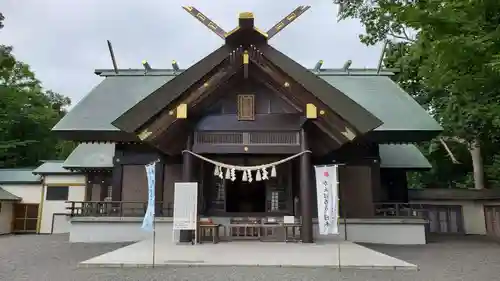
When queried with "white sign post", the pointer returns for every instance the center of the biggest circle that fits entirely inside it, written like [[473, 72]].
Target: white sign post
[[327, 198], [185, 207]]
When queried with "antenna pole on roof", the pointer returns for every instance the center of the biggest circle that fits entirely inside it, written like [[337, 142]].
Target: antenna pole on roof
[[112, 54], [381, 60]]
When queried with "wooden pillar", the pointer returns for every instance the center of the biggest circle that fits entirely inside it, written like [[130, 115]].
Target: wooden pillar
[[159, 176], [88, 187], [377, 192], [103, 189], [117, 180], [305, 191], [187, 176]]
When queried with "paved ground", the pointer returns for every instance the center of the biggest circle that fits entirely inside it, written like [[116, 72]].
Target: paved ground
[[319, 254], [52, 258]]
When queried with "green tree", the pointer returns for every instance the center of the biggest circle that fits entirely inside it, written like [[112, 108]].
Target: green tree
[[448, 56], [27, 114]]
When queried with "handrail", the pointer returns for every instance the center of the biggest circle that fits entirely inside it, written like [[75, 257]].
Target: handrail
[[399, 209], [117, 208]]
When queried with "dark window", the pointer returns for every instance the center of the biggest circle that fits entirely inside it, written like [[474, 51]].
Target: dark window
[[57, 193], [246, 107]]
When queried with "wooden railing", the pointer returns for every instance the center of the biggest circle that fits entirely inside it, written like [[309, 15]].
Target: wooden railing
[[390, 209], [116, 209]]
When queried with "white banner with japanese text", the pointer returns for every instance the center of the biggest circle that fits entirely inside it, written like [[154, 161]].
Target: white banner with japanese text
[[327, 185], [149, 217]]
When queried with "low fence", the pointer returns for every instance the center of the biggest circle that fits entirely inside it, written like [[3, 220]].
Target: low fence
[[116, 209], [390, 209]]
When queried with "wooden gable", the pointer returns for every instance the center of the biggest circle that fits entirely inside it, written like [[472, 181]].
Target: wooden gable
[[200, 86]]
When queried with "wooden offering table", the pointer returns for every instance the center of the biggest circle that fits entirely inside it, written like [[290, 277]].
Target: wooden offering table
[[292, 232], [272, 230], [209, 232], [244, 228]]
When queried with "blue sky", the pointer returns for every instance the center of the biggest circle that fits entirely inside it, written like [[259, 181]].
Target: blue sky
[[64, 41]]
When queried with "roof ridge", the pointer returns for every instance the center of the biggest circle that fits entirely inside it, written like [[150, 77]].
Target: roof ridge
[[18, 169], [172, 72]]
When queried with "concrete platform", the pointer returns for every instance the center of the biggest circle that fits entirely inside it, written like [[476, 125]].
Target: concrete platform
[[251, 253]]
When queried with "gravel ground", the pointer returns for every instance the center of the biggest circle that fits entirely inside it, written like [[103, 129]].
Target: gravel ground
[[52, 258]]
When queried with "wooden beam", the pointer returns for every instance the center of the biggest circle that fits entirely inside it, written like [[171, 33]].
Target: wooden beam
[[359, 119], [287, 20], [166, 118], [177, 129], [132, 158], [215, 28], [297, 92], [151, 106], [117, 180], [297, 100]]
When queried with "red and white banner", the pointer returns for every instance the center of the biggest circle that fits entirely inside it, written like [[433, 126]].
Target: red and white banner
[[327, 185]]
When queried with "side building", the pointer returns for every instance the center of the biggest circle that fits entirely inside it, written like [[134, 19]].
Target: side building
[[33, 200]]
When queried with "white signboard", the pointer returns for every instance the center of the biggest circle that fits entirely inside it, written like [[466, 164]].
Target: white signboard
[[327, 196], [185, 205]]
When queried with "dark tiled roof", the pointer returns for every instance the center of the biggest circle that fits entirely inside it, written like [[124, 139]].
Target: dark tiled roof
[[387, 101], [106, 102], [18, 176], [91, 155], [403, 156], [118, 93]]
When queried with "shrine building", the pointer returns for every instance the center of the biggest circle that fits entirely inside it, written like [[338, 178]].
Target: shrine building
[[246, 104]]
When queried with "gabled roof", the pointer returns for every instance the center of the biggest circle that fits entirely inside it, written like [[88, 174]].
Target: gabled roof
[[19, 176], [157, 100], [247, 44], [375, 92], [358, 116]]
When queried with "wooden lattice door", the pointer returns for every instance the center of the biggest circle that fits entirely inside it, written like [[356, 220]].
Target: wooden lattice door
[[492, 219], [25, 218]]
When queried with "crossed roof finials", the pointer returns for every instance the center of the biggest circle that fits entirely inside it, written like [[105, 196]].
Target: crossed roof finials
[[223, 34]]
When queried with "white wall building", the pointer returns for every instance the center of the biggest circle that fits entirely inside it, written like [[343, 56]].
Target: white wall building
[[34, 200]]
